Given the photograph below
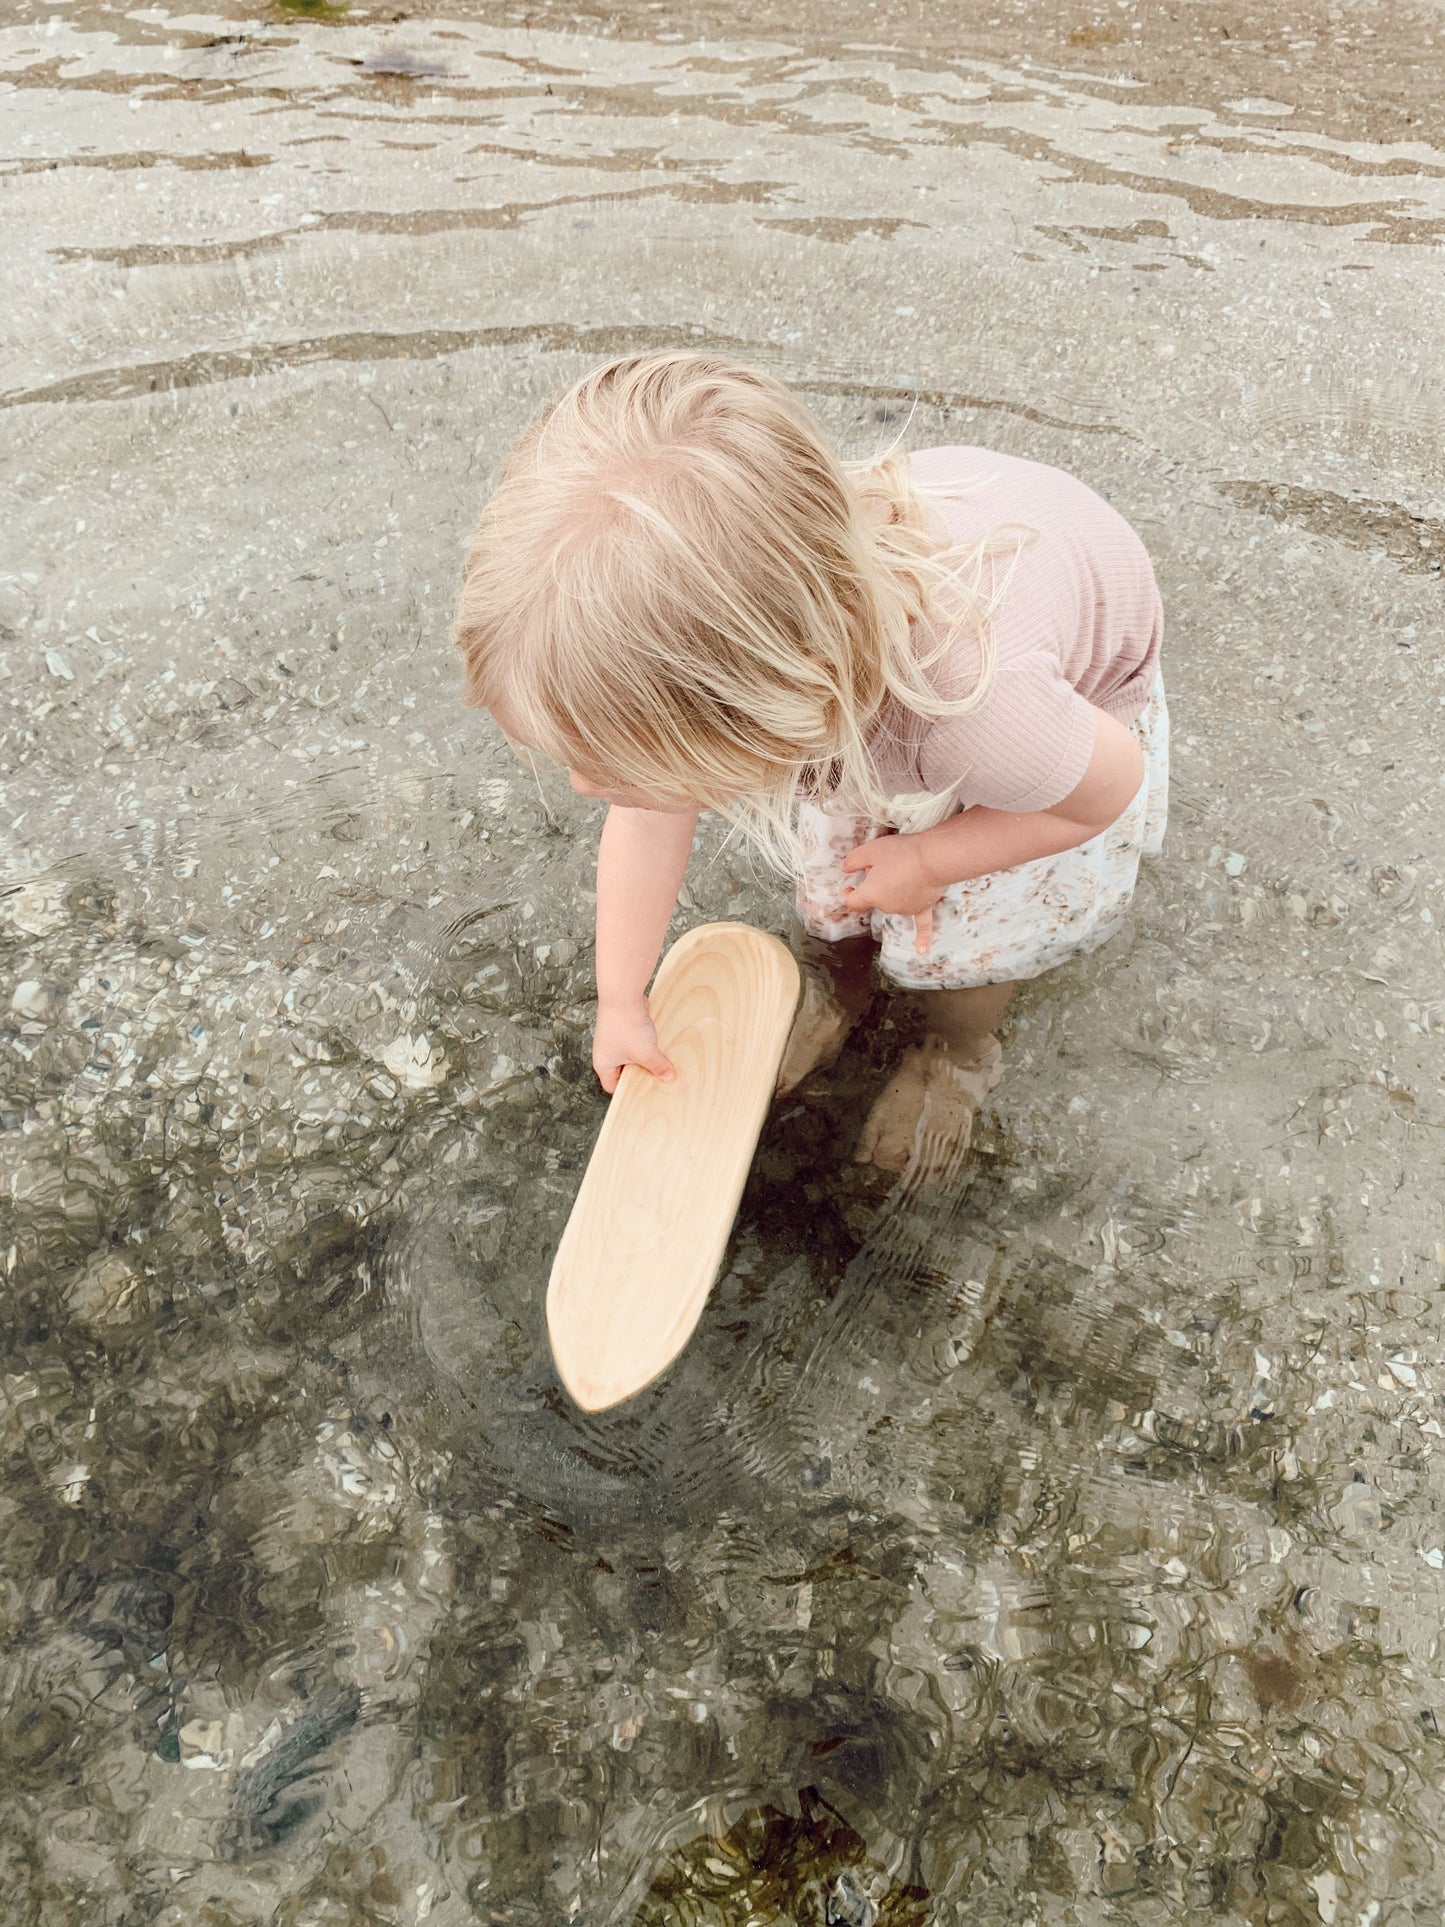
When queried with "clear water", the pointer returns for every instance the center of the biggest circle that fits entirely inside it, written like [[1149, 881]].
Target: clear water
[[1056, 1539]]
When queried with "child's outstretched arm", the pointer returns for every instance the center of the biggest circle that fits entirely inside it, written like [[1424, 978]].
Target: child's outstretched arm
[[640, 864]]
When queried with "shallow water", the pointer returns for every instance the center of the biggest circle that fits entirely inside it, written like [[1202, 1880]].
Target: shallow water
[[1056, 1540]]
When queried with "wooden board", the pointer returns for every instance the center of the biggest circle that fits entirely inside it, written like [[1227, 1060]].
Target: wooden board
[[647, 1232]]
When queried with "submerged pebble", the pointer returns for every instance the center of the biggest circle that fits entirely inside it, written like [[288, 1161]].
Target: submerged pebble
[[416, 1063]]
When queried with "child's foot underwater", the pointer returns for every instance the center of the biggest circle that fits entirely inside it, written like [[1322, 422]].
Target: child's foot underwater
[[934, 1091], [819, 1033], [836, 992]]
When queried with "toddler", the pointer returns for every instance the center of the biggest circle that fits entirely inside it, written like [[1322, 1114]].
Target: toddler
[[925, 686]]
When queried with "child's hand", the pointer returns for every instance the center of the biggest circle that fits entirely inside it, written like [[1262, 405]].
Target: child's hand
[[898, 882], [624, 1035]]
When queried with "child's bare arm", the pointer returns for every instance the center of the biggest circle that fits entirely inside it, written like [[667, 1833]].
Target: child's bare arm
[[908, 874], [640, 865], [977, 842]]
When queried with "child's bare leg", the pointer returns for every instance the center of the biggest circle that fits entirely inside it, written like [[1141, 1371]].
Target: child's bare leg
[[965, 1020], [837, 989], [941, 1082]]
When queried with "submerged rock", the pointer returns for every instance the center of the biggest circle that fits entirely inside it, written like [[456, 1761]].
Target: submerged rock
[[33, 1000], [416, 1063], [269, 1797], [847, 1905]]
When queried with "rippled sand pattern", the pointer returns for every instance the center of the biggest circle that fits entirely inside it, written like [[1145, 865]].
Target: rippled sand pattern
[[1056, 1540]]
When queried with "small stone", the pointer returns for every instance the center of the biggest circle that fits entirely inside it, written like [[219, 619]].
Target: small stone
[[106, 1293], [58, 666], [1327, 1896], [416, 1063], [37, 907], [201, 1743], [847, 1905], [1113, 1848], [31, 1000]]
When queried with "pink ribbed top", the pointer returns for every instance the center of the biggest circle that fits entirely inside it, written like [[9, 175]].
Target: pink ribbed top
[[1079, 627]]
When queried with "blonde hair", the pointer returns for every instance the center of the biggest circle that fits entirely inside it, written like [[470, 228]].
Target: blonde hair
[[677, 585]]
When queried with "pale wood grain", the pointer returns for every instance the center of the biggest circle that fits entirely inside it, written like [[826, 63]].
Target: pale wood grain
[[647, 1232]]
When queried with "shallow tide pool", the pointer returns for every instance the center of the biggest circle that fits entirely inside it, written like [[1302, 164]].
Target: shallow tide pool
[[1056, 1538]]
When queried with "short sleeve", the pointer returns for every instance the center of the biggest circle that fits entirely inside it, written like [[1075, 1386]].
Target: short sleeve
[[1026, 746]]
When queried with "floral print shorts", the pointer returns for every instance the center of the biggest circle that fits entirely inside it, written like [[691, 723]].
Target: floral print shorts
[[1010, 925]]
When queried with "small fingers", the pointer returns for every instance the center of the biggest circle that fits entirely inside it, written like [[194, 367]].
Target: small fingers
[[923, 932], [607, 1076], [655, 1062]]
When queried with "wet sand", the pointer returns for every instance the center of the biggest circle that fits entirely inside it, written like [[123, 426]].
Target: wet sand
[[1063, 1544]]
